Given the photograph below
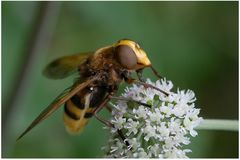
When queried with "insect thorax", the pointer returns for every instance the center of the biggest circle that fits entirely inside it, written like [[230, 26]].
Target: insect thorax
[[104, 64]]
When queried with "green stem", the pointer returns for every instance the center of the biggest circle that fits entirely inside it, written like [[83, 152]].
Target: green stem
[[219, 124]]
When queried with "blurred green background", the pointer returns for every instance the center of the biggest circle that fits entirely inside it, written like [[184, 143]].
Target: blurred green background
[[194, 44]]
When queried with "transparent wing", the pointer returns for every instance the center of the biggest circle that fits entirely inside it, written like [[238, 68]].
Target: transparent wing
[[65, 66], [61, 99]]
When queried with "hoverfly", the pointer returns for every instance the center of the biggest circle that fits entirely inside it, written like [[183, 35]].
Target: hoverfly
[[100, 73]]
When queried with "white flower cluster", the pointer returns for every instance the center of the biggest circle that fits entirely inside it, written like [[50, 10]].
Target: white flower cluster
[[159, 131]]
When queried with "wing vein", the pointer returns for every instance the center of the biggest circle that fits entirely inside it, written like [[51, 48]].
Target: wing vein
[[56, 104]]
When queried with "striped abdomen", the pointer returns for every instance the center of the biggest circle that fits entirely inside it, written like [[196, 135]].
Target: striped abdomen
[[80, 107]]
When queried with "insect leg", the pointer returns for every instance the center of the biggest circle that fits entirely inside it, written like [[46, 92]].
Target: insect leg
[[108, 107], [107, 123], [155, 72], [146, 85], [130, 80], [104, 102], [131, 100]]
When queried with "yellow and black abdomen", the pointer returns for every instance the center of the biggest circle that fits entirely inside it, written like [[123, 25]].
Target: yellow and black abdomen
[[80, 107]]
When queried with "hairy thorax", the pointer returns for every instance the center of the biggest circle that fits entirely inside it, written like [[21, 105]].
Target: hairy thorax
[[103, 63]]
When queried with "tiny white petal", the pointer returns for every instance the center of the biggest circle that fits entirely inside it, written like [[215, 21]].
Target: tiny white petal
[[193, 133]]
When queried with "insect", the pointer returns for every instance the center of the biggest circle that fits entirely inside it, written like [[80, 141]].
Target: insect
[[100, 73]]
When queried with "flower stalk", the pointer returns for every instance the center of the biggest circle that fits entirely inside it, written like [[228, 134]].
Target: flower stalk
[[218, 124]]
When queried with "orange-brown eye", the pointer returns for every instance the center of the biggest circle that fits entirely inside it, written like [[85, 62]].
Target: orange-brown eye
[[126, 56]]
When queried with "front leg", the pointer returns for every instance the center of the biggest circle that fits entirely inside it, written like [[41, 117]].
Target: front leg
[[130, 80], [131, 100]]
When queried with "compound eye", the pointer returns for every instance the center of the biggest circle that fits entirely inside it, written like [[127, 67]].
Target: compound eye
[[126, 56]]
